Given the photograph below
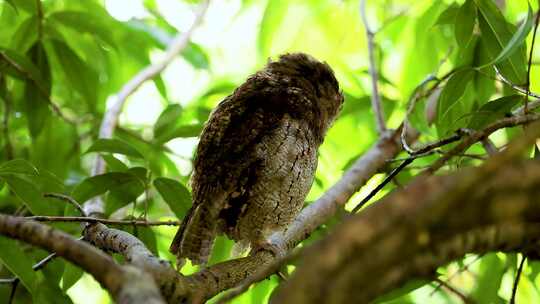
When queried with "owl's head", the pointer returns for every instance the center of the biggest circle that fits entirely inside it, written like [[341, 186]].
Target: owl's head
[[314, 77]]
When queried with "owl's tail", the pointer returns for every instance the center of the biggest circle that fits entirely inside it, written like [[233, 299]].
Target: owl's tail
[[195, 238]]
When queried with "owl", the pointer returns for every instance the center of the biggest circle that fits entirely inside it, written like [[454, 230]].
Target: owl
[[257, 155]]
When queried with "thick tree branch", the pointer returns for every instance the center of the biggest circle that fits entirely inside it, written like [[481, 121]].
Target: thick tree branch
[[126, 284], [498, 210]]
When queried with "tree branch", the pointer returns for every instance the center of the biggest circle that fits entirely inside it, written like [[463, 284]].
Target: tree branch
[[498, 211], [125, 283]]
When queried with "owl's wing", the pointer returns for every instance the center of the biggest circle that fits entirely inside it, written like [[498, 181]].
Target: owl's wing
[[221, 166]]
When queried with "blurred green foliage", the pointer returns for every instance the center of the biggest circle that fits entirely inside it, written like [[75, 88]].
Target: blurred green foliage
[[74, 56]]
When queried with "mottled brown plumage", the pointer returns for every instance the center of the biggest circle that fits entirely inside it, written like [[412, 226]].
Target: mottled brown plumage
[[257, 155]]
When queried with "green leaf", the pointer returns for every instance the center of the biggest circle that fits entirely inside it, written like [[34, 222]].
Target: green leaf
[[496, 34], [114, 146], [464, 23], [18, 166], [175, 194], [167, 119], [196, 55], [489, 278], [85, 23], [517, 40], [452, 92], [35, 103], [493, 110], [80, 76], [12, 3], [71, 275], [99, 184], [17, 65], [127, 192], [29, 193], [113, 163], [448, 16], [15, 259], [26, 35], [407, 288], [192, 130]]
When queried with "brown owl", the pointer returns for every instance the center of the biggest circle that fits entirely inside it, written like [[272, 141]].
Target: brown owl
[[257, 155]]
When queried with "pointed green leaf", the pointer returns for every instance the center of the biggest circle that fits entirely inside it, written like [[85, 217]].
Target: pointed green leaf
[[196, 55], [493, 110], [517, 40], [167, 119], [175, 194], [464, 23], [113, 146], [452, 92], [183, 131], [16, 260], [99, 184], [113, 163], [496, 34], [18, 166], [85, 23]]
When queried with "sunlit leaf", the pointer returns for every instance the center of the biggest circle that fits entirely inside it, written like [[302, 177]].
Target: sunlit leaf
[[489, 280], [408, 287], [274, 13], [497, 33], [71, 275], [196, 55], [85, 23], [448, 16]]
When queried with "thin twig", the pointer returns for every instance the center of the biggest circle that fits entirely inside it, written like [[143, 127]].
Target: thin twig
[[528, 80], [381, 185], [13, 290], [455, 291], [516, 280], [375, 96], [82, 219], [68, 199], [475, 136], [110, 119], [514, 86], [489, 146]]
